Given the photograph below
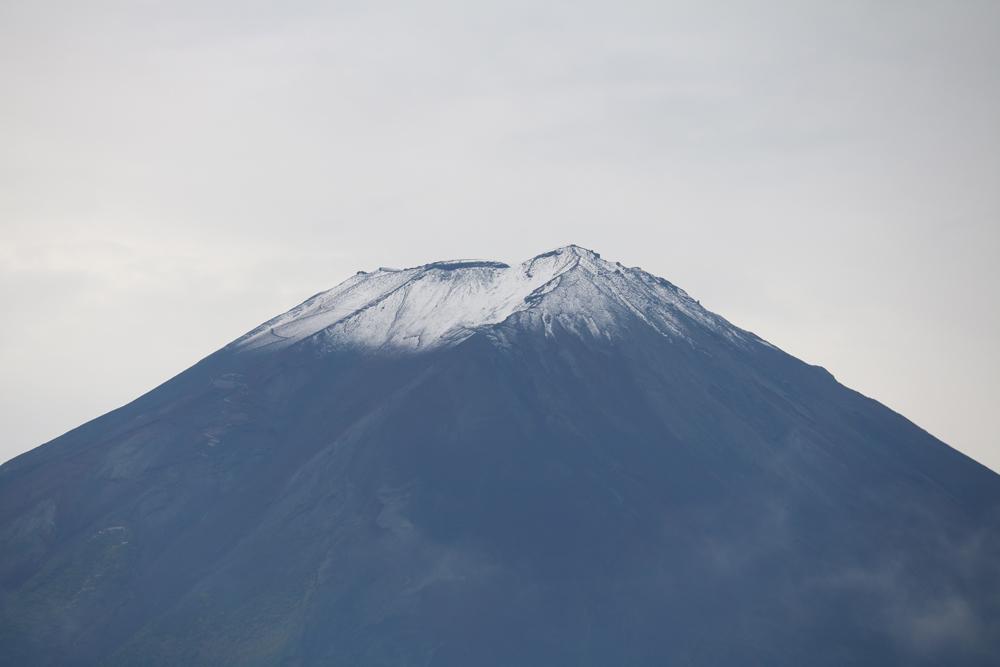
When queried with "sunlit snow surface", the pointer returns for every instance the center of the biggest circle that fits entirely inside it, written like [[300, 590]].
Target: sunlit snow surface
[[443, 303]]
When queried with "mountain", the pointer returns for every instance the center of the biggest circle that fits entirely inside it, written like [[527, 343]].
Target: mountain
[[563, 462]]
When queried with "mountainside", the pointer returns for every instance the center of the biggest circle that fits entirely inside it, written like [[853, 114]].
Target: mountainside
[[564, 462]]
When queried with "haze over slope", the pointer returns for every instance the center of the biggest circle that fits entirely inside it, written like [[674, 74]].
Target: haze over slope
[[563, 462]]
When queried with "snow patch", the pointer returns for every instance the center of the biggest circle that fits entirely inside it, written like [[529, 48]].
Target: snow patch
[[443, 303]]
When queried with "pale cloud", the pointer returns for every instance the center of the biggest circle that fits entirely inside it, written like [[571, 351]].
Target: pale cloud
[[824, 174]]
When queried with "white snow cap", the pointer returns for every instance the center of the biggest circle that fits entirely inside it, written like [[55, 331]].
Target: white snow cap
[[569, 289]]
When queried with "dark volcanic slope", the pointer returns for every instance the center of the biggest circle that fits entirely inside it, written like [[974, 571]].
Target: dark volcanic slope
[[597, 472]]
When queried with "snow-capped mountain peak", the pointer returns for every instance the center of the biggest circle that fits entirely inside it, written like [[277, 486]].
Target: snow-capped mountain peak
[[570, 288], [600, 467]]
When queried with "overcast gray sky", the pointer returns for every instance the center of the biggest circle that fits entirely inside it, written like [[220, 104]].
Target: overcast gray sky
[[824, 174]]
